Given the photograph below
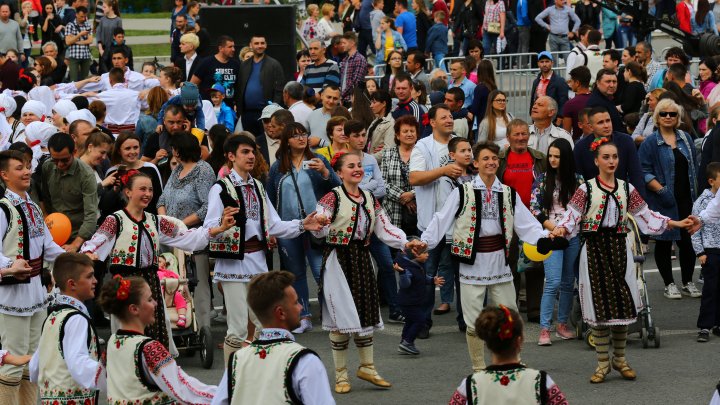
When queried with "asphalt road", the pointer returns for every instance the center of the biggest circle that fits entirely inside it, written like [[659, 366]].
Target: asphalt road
[[681, 371]]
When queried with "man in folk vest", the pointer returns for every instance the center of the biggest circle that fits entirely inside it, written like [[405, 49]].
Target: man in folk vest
[[576, 56], [258, 373], [240, 251], [66, 364], [593, 54], [22, 299], [483, 214]]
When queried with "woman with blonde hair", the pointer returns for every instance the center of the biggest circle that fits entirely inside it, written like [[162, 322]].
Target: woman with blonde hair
[[309, 27], [325, 30], [646, 126], [245, 53], [493, 127]]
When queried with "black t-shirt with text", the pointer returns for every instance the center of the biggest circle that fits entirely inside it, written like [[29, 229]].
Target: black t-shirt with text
[[211, 72]]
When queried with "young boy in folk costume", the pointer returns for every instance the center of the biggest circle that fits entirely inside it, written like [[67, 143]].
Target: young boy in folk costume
[[240, 251], [608, 289], [26, 242], [483, 214], [66, 364], [274, 368]]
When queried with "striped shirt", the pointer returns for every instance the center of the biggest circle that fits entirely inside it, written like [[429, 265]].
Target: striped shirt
[[318, 76]]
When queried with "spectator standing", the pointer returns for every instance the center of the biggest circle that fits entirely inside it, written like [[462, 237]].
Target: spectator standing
[[406, 25], [685, 11], [493, 26], [309, 27], [69, 187], [646, 125], [387, 41], [292, 97], [644, 56], [493, 127], [485, 84], [117, 42], [454, 99], [185, 197], [317, 120], [603, 95], [458, 73], [381, 131], [9, 72], [376, 15], [322, 71], [704, 20], [548, 83], [634, 90], [78, 37], [580, 85], [440, 5], [524, 24], [10, 36], [437, 38], [393, 68], [611, 59], [422, 22], [106, 29], [611, 29], [353, 67], [222, 69], [189, 61], [400, 203], [260, 82], [363, 26], [179, 9], [670, 169], [542, 130], [51, 26], [708, 81], [126, 156], [467, 17], [589, 13], [415, 65], [325, 30], [406, 105], [577, 56], [22, 17], [177, 32], [559, 15]]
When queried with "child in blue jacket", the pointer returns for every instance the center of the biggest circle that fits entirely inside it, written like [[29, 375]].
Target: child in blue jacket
[[225, 114], [411, 296], [437, 39]]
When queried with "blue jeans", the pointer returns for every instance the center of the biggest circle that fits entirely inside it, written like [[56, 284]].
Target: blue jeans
[[559, 274], [489, 41], [386, 275], [559, 43], [414, 322], [440, 263], [437, 57], [627, 34], [291, 252]]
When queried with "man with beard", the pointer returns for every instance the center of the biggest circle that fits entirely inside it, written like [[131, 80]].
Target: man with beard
[[548, 83], [222, 69]]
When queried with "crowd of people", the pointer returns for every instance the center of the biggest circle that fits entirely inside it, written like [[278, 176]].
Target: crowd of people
[[385, 188]]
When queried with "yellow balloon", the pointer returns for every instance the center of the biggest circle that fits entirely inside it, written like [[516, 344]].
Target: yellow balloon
[[532, 253]]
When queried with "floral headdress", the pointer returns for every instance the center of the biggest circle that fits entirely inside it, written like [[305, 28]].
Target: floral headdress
[[125, 178], [597, 142], [506, 329], [336, 157], [123, 289]]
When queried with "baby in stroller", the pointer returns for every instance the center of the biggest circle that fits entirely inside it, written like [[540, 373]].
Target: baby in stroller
[[168, 268]]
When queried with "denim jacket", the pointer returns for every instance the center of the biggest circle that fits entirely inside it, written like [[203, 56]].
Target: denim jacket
[[397, 40], [658, 163]]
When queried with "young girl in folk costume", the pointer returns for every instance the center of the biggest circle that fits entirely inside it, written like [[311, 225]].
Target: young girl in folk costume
[[130, 239], [26, 242], [350, 304], [483, 214], [608, 288], [140, 370], [506, 380]]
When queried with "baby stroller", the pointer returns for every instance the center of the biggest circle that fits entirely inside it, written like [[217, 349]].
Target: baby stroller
[[190, 337], [645, 324]]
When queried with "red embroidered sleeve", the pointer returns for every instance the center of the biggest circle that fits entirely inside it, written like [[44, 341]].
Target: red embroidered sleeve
[[636, 203], [457, 399], [328, 202], [156, 356], [167, 227], [108, 227], [578, 200], [555, 396]]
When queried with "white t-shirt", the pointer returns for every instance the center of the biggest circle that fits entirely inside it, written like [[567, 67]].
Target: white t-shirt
[[417, 164]]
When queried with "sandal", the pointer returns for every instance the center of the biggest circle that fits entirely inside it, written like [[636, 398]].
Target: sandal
[[342, 384], [625, 370], [599, 375]]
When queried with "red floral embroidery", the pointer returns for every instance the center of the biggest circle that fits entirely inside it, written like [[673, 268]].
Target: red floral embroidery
[[167, 227], [504, 380], [156, 356], [108, 227], [555, 396], [457, 399], [262, 354]]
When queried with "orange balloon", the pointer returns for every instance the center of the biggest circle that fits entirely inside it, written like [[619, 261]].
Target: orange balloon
[[59, 226]]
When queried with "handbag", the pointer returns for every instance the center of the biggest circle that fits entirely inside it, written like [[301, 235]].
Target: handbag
[[315, 242], [493, 28]]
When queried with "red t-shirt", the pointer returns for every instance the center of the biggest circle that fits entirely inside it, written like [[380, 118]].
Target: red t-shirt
[[519, 174]]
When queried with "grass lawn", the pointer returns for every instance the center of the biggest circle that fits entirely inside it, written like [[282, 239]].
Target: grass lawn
[[137, 33], [164, 14], [144, 50]]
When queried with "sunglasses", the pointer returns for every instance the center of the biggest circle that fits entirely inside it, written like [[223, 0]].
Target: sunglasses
[[671, 114]]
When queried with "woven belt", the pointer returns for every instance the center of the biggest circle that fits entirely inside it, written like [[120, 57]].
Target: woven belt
[[254, 244], [116, 128], [488, 244]]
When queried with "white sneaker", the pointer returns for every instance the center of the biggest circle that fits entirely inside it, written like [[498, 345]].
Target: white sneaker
[[690, 290], [672, 292], [305, 326]]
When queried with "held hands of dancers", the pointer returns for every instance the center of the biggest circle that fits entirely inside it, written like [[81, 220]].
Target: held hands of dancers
[[687, 223], [16, 360], [315, 222], [20, 269], [695, 224], [416, 246], [227, 222], [559, 231]]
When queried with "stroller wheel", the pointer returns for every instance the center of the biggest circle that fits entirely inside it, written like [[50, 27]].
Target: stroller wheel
[[657, 337], [589, 338], [644, 337], [207, 350]]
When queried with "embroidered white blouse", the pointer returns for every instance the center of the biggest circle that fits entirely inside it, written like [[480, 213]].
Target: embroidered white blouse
[[489, 267], [253, 263], [87, 372], [27, 299], [309, 379]]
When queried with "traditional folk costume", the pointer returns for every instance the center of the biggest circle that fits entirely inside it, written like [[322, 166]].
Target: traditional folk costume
[[123, 108], [239, 252], [140, 370], [22, 303], [508, 384], [132, 247], [260, 373], [483, 222], [349, 294], [66, 364], [608, 289]]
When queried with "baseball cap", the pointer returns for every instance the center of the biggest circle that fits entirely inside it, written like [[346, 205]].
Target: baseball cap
[[545, 54], [218, 87], [268, 111]]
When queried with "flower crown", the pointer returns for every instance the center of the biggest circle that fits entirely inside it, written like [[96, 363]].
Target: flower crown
[[597, 142], [123, 290], [125, 178], [336, 157], [505, 331]]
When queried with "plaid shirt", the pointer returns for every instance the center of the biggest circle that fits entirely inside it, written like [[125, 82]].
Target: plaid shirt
[[395, 173], [492, 12], [77, 51], [352, 71]]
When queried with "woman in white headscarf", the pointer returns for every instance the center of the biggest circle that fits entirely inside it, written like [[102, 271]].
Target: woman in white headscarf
[[60, 111], [44, 95], [32, 111], [37, 134]]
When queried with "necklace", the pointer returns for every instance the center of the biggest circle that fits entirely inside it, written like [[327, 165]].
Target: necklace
[[354, 195], [605, 184]]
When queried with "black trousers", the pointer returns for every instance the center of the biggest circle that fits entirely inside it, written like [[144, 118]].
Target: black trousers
[[365, 41], [710, 302]]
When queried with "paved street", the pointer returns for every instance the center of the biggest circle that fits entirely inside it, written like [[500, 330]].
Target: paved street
[[681, 371]]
